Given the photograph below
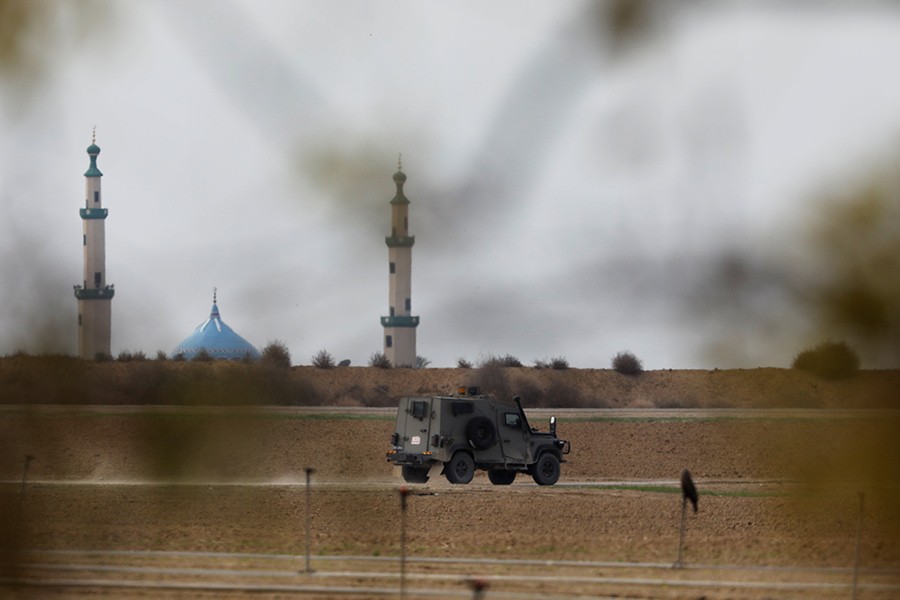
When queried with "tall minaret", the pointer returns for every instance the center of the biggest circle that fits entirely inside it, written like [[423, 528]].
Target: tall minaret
[[400, 326], [94, 295]]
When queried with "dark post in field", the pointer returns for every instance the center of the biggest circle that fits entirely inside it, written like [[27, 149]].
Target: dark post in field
[[862, 498], [478, 587], [309, 472], [28, 459], [688, 492], [404, 492]]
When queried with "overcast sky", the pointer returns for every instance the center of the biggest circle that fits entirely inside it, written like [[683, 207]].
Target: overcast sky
[[574, 180]]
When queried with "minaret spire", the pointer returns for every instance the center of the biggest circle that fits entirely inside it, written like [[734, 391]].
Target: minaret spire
[[400, 325], [94, 294]]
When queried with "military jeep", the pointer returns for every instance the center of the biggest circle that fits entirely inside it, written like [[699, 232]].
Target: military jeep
[[471, 431]]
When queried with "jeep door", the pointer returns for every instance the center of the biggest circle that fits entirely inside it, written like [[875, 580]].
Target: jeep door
[[417, 426], [513, 437]]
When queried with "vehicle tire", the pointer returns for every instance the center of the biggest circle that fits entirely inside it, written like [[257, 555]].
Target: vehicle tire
[[501, 476], [546, 470], [481, 433], [415, 474], [460, 468]]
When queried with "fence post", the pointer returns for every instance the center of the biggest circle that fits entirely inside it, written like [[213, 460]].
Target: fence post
[[862, 498], [309, 472], [404, 492]]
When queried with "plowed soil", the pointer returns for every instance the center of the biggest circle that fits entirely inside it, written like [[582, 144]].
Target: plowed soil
[[775, 489]]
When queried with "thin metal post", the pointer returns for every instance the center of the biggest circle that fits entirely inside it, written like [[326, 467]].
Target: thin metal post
[[679, 562], [404, 492], [688, 492], [28, 459], [862, 498], [309, 472]]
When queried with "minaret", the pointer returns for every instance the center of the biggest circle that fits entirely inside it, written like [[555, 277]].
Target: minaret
[[94, 295], [400, 326]]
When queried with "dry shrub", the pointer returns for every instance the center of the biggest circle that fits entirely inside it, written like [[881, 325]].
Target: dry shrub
[[559, 363], [323, 360], [501, 361], [560, 393], [276, 354], [491, 378], [379, 360], [627, 363], [531, 393], [202, 356]]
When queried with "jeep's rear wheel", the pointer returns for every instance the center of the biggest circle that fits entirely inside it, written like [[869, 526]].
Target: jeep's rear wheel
[[501, 476], [415, 474], [460, 468], [546, 470]]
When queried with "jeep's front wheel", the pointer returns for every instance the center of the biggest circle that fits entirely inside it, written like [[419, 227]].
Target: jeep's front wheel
[[546, 470], [501, 476], [460, 468], [415, 474]]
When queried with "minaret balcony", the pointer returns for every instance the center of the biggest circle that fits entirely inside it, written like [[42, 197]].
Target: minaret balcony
[[394, 241], [104, 293], [93, 213], [400, 321]]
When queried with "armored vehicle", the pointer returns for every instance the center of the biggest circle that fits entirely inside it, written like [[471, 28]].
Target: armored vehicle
[[473, 431]]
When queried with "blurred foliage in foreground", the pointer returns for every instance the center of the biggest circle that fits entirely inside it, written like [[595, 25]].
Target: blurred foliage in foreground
[[63, 380], [68, 380], [830, 360], [857, 244]]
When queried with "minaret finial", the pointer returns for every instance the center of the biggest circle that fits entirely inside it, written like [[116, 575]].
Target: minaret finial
[[215, 290], [94, 135], [399, 161]]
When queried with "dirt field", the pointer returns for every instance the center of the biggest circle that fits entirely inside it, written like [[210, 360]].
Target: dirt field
[[60, 380], [779, 489]]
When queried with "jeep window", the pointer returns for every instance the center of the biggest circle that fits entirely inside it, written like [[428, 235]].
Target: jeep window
[[462, 408], [419, 409], [512, 420]]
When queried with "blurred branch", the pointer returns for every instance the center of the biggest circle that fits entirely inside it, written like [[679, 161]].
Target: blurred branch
[[857, 242], [38, 36]]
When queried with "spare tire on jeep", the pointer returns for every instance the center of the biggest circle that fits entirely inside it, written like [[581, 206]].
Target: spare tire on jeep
[[481, 433]]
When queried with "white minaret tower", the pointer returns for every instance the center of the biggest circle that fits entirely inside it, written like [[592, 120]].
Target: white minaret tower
[[94, 295], [400, 326]]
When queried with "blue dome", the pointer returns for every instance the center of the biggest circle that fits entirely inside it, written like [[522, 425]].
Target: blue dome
[[218, 339]]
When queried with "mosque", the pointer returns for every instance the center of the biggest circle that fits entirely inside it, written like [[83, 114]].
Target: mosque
[[213, 336], [94, 294], [400, 325], [217, 339]]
